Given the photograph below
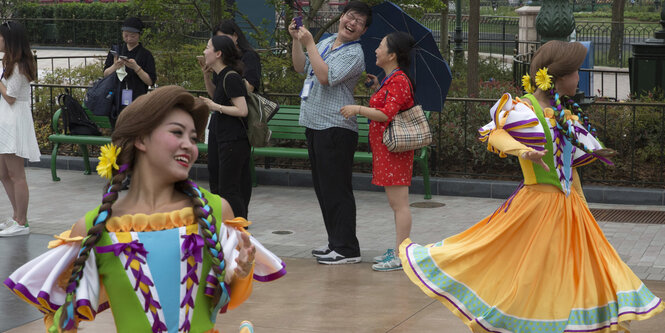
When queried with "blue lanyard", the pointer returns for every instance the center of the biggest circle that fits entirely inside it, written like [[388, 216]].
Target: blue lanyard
[[387, 77], [325, 56]]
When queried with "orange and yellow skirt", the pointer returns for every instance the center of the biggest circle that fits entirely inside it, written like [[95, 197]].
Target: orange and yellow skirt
[[541, 264]]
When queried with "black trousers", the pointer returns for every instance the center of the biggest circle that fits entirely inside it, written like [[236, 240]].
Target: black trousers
[[331, 156], [229, 173]]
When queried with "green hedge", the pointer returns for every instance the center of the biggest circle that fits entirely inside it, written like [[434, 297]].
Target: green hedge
[[79, 24]]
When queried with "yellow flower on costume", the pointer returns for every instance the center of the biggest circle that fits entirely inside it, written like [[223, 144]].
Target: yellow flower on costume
[[526, 83], [543, 80], [108, 160]]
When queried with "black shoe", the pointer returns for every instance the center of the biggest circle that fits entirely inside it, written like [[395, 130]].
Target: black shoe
[[321, 251], [334, 258]]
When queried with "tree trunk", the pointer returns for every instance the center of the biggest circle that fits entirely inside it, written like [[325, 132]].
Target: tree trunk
[[472, 84], [443, 36], [217, 8], [616, 35]]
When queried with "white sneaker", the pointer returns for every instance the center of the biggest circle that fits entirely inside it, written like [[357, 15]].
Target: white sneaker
[[390, 264], [6, 223], [15, 229], [389, 253]]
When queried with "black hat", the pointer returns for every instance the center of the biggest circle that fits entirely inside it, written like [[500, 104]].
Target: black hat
[[132, 24]]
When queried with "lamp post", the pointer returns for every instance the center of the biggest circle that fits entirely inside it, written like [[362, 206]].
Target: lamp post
[[555, 21], [458, 50]]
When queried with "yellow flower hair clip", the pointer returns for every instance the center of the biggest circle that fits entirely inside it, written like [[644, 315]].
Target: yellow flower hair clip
[[543, 80], [526, 83], [108, 160]]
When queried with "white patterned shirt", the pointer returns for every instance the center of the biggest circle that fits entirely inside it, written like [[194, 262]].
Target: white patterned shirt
[[321, 109]]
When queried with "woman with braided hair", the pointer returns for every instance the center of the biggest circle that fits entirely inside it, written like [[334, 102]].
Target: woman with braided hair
[[539, 263], [158, 255]]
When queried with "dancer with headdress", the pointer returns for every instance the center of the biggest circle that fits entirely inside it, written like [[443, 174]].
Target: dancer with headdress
[[167, 255], [540, 262]]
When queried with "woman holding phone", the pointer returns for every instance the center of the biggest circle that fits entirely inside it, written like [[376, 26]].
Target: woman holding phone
[[228, 146], [134, 65]]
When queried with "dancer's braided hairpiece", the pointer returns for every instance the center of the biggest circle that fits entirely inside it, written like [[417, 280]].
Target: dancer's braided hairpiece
[[208, 226], [67, 310], [564, 124]]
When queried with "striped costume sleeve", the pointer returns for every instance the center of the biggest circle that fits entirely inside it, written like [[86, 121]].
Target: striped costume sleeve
[[519, 121]]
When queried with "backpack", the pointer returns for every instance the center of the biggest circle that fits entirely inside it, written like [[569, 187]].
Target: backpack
[[99, 98], [74, 118], [259, 110]]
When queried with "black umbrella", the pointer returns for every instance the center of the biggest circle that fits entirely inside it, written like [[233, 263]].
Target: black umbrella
[[430, 72]]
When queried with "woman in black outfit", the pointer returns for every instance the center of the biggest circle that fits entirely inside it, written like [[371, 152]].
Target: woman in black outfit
[[133, 63], [249, 57], [228, 147]]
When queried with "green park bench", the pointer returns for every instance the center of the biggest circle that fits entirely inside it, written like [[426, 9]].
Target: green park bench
[[59, 137], [284, 126]]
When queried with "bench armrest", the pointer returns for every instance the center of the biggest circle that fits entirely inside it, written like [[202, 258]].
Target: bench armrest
[[54, 122]]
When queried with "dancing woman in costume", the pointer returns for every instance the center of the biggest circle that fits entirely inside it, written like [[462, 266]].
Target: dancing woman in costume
[[165, 256], [540, 263]]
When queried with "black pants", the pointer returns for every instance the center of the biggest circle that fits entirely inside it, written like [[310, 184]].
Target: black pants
[[331, 155], [228, 169]]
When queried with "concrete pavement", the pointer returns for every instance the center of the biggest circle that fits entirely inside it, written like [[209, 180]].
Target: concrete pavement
[[288, 221]]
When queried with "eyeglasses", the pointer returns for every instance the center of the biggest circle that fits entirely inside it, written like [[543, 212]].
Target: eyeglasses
[[352, 17]]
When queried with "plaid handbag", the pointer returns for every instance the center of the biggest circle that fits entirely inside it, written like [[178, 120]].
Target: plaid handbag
[[409, 130]]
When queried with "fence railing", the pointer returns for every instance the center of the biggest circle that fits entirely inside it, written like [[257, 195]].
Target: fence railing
[[496, 33], [635, 130], [602, 83], [599, 34]]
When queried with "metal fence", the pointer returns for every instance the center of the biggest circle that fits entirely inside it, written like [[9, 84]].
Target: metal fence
[[599, 34], [635, 130], [578, 5], [497, 33]]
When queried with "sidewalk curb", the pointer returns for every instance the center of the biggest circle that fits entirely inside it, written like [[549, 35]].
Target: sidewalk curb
[[481, 188]]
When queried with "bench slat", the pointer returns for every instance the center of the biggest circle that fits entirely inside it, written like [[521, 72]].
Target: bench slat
[[284, 125]]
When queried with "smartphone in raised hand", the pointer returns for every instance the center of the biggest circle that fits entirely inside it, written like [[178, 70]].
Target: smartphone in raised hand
[[298, 20]]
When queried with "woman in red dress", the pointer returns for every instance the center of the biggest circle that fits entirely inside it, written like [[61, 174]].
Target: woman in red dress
[[390, 170]]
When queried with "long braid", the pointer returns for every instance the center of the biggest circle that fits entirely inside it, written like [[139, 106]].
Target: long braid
[[66, 312], [569, 131], [208, 226]]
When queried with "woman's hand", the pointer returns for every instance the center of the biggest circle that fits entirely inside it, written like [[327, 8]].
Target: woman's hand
[[245, 259], [349, 110], [536, 157], [131, 63], [118, 62], [374, 81], [211, 105]]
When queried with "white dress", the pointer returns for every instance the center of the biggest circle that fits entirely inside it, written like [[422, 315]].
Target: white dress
[[17, 130]]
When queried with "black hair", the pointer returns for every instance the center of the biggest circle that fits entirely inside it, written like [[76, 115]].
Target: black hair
[[360, 8], [402, 45], [17, 51], [230, 54], [229, 27]]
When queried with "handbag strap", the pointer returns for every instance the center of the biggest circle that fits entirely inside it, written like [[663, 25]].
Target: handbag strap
[[413, 94]]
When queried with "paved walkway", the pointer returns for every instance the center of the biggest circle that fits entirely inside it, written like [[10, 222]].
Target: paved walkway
[[55, 206]]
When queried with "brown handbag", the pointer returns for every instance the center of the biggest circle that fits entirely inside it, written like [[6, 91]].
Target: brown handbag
[[409, 130]]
